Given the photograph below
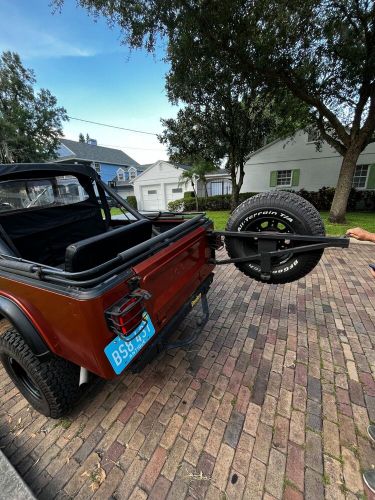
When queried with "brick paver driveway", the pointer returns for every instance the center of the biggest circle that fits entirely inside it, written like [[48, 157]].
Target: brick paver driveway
[[272, 401]]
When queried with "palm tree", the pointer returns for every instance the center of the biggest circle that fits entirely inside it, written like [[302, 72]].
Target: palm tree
[[190, 177]]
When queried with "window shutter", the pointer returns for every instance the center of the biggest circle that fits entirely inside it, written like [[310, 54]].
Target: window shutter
[[295, 177], [371, 177], [273, 178]]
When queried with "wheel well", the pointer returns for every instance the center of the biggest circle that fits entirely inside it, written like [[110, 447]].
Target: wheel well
[[12, 313]]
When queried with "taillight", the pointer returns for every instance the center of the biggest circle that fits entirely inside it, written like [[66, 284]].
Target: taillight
[[127, 314]]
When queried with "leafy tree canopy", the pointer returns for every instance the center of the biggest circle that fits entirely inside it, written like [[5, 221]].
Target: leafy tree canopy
[[30, 122], [321, 51]]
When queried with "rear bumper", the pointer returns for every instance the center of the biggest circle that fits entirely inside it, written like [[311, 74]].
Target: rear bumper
[[158, 344]]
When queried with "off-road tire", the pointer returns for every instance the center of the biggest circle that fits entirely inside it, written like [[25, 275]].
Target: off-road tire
[[288, 213], [50, 386]]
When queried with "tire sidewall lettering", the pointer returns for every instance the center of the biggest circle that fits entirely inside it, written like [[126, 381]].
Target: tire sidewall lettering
[[261, 213]]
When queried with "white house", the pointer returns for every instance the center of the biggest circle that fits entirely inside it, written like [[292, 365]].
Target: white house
[[161, 183], [296, 163]]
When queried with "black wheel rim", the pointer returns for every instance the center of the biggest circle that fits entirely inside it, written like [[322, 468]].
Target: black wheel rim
[[274, 224], [24, 379]]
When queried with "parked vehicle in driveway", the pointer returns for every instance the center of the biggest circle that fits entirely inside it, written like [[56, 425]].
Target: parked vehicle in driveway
[[85, 293]]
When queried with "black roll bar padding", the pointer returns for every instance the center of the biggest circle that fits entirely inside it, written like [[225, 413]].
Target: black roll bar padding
[[120, 200], [17, 264], [103, 199]]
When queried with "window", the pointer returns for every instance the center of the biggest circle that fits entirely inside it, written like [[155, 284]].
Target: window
[[313, 135], [120, 175], [52, 191], [176, 190], [152, 191], [97, 167], [132, 173], [219, 187], [360, 176], [284, 178]]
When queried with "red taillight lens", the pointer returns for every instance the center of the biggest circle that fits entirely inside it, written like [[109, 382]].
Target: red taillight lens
[[127, 314]]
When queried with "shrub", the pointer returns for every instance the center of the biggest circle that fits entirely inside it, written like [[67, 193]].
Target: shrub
[[177, 205], [322, 200], [217, 202], [132, 200], [189, 194]]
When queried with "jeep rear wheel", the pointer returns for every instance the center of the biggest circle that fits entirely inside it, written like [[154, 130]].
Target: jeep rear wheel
[[51, 386], [281, 212]]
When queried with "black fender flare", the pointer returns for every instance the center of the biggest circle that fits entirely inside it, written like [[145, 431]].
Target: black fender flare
[[14, 314]]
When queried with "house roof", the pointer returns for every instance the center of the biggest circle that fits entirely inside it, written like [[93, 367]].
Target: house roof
[[100, 154], [219, 172], [265, 147], [152, 165]]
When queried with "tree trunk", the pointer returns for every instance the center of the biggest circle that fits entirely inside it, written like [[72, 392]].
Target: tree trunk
[[236, 184], [344, 185], [235, 201], [195, 195]]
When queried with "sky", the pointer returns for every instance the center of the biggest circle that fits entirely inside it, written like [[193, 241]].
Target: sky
[[83, 63]]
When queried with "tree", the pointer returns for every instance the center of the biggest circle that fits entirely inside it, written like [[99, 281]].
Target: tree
[[321, 51], [81, 137], [30, 122], [188, 177], [223, 127]]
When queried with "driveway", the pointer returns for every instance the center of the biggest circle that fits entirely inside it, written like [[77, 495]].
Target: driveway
[[272, 401]]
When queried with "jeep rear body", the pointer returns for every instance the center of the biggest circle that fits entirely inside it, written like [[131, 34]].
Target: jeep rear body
[[73, 310]]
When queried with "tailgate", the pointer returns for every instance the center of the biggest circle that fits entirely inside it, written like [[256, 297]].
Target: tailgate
[[173, 274]]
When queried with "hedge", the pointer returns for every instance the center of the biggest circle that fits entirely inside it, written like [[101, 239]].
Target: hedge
[[322, 200], [132, 200]]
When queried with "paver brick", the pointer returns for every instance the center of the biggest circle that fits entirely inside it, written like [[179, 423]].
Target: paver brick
[[273, 401]]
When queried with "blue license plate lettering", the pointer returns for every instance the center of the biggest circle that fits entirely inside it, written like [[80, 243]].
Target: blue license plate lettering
[[121, 352]]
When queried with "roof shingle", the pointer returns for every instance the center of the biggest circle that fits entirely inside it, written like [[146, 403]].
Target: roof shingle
[[100, 154]]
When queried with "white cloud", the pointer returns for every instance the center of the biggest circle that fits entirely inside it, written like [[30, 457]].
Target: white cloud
[[33, 44]]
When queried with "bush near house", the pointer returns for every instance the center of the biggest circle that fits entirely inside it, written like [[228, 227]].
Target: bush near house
[[132, 200], [322, 200], [217, 202]]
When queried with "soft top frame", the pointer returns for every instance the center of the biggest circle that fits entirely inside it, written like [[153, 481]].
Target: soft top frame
[[10, 170]]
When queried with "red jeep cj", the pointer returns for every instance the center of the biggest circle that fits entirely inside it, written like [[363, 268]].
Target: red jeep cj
[[85, 293]]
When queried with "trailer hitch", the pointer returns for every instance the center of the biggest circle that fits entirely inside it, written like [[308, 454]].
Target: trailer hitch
[[267, 242]]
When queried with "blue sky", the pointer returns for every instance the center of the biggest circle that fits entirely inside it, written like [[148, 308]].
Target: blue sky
[[82, 62]]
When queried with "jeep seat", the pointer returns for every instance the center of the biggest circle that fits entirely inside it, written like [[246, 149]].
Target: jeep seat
[[91, 252]]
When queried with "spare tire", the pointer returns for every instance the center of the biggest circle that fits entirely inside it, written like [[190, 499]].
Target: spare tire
[[281, 212]]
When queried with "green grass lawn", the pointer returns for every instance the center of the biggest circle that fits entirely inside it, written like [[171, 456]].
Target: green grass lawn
[[354, 219]]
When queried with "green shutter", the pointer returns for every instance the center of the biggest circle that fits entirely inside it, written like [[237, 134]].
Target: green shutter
[[371, 177], [273, 178], [295, 177]]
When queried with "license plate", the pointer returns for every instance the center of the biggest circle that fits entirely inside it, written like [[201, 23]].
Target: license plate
[[121, 352]]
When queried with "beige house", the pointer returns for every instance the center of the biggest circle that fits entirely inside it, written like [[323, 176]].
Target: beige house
[[295, 163]]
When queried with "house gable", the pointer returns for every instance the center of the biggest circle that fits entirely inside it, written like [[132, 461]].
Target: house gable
[[306, 166], [160, 170]]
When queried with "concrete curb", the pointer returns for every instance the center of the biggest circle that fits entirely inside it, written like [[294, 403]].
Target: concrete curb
[[12, 485]]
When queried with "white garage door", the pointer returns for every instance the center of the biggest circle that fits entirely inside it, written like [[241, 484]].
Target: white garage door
[[151, 196], [173, 192]]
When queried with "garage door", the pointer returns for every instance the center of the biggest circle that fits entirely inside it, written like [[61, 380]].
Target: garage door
[[173, 192], [151, 196]]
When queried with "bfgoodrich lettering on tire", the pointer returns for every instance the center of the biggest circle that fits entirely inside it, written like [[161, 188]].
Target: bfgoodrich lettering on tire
[[51, 387], [275, 211]]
